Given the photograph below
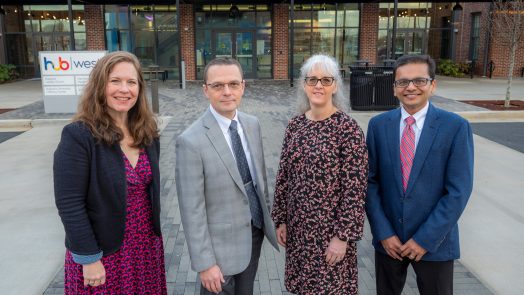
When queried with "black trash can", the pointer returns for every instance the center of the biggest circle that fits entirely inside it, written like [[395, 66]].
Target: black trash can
[[371, 88]]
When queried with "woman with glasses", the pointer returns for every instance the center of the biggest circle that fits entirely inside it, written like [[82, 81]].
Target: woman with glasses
[[320, 188]]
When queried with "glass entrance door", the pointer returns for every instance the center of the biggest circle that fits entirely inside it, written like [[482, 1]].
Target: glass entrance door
[[409, 42], [239, 45]]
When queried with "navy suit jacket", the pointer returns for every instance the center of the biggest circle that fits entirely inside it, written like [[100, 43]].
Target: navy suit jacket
[[439, 185]]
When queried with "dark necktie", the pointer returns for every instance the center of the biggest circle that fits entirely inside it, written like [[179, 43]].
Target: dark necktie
[[243, 168], [407, 150]]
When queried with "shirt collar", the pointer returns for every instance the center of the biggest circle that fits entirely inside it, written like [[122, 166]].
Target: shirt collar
[[223, 122], [419, 116]]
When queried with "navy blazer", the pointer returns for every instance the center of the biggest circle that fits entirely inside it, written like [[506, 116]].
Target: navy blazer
[[439, 186], [91, 191]]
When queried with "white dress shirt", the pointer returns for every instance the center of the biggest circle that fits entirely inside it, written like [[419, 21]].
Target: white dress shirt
[[419, 116], [224, 124]]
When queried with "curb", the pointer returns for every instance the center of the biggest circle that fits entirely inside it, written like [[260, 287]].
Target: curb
[[492, 116], [16, 124], [26, 124]]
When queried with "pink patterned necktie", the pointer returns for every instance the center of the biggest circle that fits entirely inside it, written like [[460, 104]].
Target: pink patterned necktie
[[407, 150]]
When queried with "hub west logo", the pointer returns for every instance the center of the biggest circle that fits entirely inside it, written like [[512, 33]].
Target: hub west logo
[[61, 64], [69, 63]]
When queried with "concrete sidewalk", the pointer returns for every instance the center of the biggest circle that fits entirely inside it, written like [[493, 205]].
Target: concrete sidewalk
[[492, 227]]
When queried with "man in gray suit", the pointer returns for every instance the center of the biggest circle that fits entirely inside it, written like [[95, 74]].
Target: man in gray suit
[[222, 187]]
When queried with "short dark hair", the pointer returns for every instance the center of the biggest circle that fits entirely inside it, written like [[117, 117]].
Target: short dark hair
[[223, 61], [415, 59]]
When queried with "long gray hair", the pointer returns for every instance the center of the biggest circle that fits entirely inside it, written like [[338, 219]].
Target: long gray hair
[[329, 66]]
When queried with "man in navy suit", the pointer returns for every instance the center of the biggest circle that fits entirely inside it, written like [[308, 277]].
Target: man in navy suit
[[420, 179]]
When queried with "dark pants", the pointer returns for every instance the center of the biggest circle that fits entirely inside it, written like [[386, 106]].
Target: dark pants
[[242, 283], [433, 277]]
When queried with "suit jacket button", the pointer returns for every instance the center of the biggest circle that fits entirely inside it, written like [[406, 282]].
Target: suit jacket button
[[400, 220], [245, 202], [248, 224]]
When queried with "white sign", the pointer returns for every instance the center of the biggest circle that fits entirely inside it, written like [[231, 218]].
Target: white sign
[[64, 75], [58, 63], [58, 80], [59, 90]]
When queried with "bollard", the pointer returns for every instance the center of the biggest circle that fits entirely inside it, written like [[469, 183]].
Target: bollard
[[491, 68], [154, 70], [183, 65]]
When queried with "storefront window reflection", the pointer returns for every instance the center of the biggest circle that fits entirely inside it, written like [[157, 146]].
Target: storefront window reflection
[[322, 28], [34, 28], [239, 31], [422, 27], [149, 31]]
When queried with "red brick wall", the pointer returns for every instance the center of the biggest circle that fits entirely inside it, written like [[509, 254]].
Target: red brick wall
[[500, 51], [95, 31], [187, 39], [368, 32], [280, 41], [463, 36]]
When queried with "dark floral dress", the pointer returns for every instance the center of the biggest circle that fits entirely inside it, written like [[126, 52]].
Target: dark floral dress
[[138, 266], [319, 194]]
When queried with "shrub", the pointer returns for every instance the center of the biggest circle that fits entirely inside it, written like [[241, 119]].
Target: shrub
[[7, 73], [447, 67]]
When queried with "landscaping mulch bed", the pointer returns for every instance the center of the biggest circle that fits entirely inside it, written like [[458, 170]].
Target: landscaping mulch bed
[[5, 110], [497, 105]]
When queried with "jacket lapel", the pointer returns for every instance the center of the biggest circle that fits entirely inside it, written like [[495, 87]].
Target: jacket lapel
[[393, 140], [216, 137], [429, 131]]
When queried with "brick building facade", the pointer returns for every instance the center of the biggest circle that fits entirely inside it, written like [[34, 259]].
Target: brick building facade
[[472, 24]]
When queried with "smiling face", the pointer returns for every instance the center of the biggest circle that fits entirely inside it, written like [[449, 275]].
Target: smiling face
[[225, 101], [414, 98], [320, 96], [122, 89]]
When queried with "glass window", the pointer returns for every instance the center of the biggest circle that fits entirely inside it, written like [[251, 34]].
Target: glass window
[[347, 46], [116, 17], [302, 19], [247, 19], [144, 47], [19, 51], [322, 41], [475, 36], [264, 67], [263, 19], [223, 30], [142, 20], [335, 32], [324, 18], [203, 51], [382, 45]]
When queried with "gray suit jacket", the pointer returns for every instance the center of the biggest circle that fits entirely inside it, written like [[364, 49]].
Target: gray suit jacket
[[212, 199]]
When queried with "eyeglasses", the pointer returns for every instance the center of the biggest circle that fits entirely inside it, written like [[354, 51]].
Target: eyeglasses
[[418, 82], [325, 81], [234, 85]]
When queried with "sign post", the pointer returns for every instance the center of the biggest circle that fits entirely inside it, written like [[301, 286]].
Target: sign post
[[64, 75]]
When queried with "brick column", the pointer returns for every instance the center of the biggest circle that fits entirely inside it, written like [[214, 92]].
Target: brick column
[[187, 39], [95, 31], [280, 41], [368, 32]]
